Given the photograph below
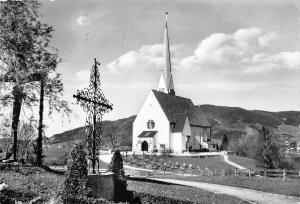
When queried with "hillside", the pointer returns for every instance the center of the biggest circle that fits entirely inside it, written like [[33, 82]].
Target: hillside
[[122, 127], [233, 121]]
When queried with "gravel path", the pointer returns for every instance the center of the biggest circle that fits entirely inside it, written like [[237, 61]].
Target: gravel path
[[232, 163], [242, 193]]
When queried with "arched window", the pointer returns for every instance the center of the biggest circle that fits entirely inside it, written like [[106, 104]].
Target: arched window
[[150, 124]]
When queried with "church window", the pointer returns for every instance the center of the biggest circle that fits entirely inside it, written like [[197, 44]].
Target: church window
[[150, 124]]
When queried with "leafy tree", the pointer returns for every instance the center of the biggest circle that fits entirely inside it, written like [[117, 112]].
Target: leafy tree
[[116, 166], [76, 181], [26, 59], [225, 142], [265, 144]]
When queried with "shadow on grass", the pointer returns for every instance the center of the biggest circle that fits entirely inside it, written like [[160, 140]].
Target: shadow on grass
[[48, 169], [143, 179]]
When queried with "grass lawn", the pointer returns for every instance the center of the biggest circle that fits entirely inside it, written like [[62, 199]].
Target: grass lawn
[[182, 193], [55, 156], [290, 187], [35, 183], [243, 161]]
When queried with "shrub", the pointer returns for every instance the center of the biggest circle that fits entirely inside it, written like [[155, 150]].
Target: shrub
[[76, 181], [116, 166]]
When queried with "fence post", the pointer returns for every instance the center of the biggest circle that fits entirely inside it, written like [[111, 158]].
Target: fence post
[[249, 173], [235, 172], [283, 174]]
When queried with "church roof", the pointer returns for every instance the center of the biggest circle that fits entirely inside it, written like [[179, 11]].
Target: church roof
[[147, 134], [179, 122], [173, 106]]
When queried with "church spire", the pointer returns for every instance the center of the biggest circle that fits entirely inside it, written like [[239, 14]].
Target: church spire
[[167, 76]]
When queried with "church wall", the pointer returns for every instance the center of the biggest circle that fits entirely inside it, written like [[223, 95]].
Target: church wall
[[176, 142], [186, 131], [199, 135], [151, 110]]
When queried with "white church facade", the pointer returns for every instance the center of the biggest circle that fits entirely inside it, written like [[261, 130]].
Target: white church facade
[[168, 121]]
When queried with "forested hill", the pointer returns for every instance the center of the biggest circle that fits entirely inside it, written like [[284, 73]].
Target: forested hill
[[122, 127], [233, 121]]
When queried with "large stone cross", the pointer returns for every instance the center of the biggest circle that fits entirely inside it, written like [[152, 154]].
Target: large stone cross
[[95, 104]]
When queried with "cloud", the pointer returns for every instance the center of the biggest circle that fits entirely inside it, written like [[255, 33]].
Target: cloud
[[87, 20], [245, 51], [83, 20], [148, 56], [265, 62], [83, 75], [226, 51]]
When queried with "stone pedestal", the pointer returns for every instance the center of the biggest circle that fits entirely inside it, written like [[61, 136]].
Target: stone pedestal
[[102, 185]]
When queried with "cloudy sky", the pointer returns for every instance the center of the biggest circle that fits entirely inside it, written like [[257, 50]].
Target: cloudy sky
[[224, 52]]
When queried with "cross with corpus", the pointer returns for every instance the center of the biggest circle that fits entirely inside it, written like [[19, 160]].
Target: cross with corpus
[[95, 104]]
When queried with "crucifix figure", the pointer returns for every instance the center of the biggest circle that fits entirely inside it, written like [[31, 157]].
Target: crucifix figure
[[95, 104]]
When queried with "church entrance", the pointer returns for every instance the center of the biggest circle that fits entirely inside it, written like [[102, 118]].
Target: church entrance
[[144, 146]]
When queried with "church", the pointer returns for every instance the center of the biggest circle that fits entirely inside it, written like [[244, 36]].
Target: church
[[167, 121]]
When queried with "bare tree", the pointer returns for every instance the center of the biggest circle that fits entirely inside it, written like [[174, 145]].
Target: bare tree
[[113, 139], [5, 134], [26, 134]]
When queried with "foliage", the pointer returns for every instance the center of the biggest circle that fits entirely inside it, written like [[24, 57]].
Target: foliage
[[116, 166], [113, 140], [26, 135], [76, 181], [225, 142], [263, 147], [26, 57]]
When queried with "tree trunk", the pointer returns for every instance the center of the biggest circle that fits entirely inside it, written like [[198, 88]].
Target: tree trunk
[[17, 104], [39, 140]]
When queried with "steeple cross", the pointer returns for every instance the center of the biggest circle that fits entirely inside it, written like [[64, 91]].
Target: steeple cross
[[96, 105]]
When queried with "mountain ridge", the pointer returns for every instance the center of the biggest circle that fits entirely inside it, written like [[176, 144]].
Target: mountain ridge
[[233, 121]]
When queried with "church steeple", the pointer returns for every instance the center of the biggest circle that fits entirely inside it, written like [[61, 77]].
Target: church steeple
[[168, 85]]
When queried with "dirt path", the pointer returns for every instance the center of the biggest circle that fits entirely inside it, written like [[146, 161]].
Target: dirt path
[[245, 194], [232, 163]]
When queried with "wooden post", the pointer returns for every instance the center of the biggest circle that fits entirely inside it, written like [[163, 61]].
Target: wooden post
[[283, 174], [249, 173], [235, 172]]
